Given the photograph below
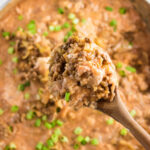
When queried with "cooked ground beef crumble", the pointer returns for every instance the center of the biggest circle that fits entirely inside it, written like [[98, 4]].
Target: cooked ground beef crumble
[[84, 70]]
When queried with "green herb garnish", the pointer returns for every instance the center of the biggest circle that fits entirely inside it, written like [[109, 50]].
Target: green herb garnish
[[122, 73], [51, 28], [44, 118], [57, 28], [79, 138], [45, 33], [50, 143], [123, 131], [78, 131], [71, 16], [66, 25], [122, 11], [14, 108], [48, 125], [10, 50], [94, 141], [113, 23], [75, 21], [64, 139], [110, 121], [5, 34], [32, 27], [30, 114], [119, 65], [1, 62], [61, 11], [76, 146], [57, 132], [15, 59], [1, 111], [131, 69], [20, 17], [59, 122], [133, 113], [67, 96], [109, 8], [27, 96], [39, 146], [38, 123]]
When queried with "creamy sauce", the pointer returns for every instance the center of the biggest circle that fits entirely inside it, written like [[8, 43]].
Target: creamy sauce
[[134, 87]]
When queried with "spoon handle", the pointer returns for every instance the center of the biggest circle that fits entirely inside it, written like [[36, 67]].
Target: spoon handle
[[127, 120], [119, 112]]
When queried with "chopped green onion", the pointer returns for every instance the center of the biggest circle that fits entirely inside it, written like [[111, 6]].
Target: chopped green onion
[[15, 71], [15, 59], [54, 138], [44, 117], [38, 123], [87, 139], [53, 123], [75, 21], [14, 108], [83, 20], [30, 115], [110, 121], [45, 148], [50, 143], [6, 34], [78, 131], [113, 23], [123, 131], [122, 73], [39, 146], [133, 113], [131, 44], [1, 111], [59, 122], [64, 139], [61, 11], [20, 17], [12, 43], [131, 69], [32, 27], [109, 8], [1, 62], [48, 125], [76, 146], [27, 83], [122, 11], [21, 87], [71, 16], [57, 132], [45, 33], [12, 146], [51, 28], [57, 28], [27, 96], [94, 141], [79, 138], [66, 25], [73, 29], [10, 128], [67, 96], [10, 50], [119, 65]]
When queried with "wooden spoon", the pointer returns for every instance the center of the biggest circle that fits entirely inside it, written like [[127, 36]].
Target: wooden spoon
[[119, 112]]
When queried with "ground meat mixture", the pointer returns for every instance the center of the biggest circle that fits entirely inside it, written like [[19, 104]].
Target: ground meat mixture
[[82, 69], [29, 117]]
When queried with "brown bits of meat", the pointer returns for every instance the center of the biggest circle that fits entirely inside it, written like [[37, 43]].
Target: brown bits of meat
[[84, 70]]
